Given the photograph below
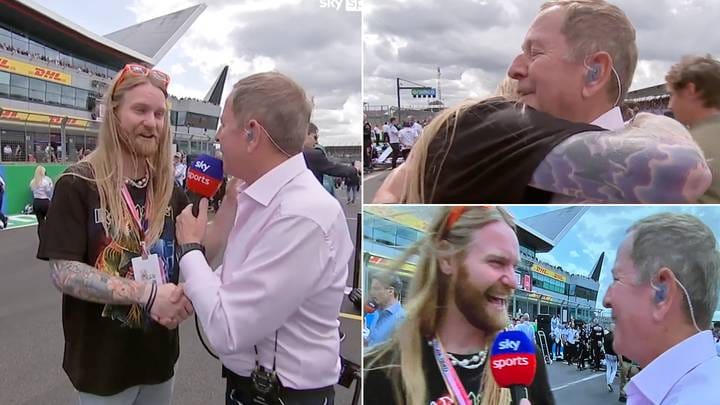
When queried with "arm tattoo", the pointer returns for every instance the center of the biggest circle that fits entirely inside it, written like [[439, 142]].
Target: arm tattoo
[[89, 284], [611, 167]]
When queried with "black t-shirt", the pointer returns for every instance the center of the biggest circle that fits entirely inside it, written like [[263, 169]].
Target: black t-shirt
[[104, 354], [608, 343], [496, 148], [379, 390], [596, 335]]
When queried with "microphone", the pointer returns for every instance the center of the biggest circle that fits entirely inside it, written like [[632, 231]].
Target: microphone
[[513, 362], [370, 306], [204, 178]]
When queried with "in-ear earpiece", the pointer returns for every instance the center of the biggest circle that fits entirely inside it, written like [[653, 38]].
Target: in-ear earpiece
[[660, 292], [249, 135], [593, 73]]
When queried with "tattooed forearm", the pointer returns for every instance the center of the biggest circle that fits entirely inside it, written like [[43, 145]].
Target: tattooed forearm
[[87, 283], [617, 167]]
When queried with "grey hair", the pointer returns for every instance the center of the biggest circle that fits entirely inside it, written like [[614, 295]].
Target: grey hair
[[685, 245], [526, 317]]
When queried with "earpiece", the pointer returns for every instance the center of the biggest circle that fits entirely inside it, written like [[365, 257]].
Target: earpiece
[[593, 73], [249, 135], [660, 292]]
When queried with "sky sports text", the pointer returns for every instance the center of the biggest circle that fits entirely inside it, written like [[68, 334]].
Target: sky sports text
[[509, 344], [510, 362], [350, 5]]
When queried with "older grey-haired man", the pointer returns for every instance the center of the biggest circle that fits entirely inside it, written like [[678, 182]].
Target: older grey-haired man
[[665, 290]]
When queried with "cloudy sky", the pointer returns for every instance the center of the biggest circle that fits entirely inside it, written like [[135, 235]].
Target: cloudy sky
[[474, 41], [318, 47]]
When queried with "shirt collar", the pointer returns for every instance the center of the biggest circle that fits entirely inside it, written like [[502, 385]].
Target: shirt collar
[[611, 120], [660, 376], [394, 308], [264, 189]]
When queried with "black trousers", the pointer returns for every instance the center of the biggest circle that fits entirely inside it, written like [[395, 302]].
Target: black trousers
[[395, 153], [238, 391], [40, 208]]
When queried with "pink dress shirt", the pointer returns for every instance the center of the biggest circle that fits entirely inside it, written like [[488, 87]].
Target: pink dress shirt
[[284, 269]]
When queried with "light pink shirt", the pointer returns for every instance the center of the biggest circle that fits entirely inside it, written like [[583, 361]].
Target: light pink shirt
[[284, 269]]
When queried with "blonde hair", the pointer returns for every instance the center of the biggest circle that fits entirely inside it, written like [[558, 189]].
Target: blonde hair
[[595, 25], [280, 105], [39, 177], [425, 308], [107, 168], [704, 72]]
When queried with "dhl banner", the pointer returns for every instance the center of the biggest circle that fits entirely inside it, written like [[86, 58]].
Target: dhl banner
[[26, 116], [542, 270], [26, 69], [387, 263]]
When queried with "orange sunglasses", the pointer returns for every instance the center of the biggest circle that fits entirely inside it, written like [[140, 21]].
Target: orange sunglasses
[[140, 70]]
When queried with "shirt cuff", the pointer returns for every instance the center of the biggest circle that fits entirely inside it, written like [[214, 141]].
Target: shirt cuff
[[201, 284]]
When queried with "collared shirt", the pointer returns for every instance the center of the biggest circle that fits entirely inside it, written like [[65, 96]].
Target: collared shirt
[[393, 134], [284, 269], [407, 137], [611, 120], [388, 319], [526, 328], [687, 373]]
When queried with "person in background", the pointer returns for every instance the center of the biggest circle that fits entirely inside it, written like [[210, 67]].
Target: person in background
[[42, 190], [3, 217], [180, 170]]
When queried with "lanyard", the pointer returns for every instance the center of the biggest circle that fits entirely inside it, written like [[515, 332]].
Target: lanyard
[[136, 216], [452, 381]]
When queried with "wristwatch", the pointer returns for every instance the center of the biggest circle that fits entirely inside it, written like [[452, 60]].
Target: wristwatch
[[189, 247]]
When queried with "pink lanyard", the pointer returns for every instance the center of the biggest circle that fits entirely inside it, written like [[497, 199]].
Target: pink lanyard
[[452, 381], [136, 216]]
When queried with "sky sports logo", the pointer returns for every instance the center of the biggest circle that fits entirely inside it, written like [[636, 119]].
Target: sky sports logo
[[499, 364], [350, 5]]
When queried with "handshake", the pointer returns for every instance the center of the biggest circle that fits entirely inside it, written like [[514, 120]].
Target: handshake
[[168, 305]]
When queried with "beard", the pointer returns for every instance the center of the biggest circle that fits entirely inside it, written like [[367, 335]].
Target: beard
[[474, 305], [139, 146]]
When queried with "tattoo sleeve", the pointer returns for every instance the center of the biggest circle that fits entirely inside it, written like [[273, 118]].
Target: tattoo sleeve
[[89, 284], [617, 167]]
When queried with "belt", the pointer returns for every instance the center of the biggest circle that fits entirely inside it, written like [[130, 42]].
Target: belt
[[245, 384]]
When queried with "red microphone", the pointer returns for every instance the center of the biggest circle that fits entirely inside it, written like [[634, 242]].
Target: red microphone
[[513, 362], [204, 178], [370, 306]]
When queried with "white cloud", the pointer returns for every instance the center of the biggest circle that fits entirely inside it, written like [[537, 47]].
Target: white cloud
[[574, 253]]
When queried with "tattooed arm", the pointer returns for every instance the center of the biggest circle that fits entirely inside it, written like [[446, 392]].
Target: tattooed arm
[[653, 162], [89, 284]]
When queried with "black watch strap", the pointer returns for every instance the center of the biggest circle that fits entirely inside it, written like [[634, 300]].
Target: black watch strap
[[189, 247]]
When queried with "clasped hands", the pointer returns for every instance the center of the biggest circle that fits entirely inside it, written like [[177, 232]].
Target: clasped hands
[[171, 306]]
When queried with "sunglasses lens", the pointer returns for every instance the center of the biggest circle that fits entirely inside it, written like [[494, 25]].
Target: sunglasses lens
[[137, 69]]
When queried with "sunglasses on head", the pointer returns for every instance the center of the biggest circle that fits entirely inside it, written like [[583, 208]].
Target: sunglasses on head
[[140, 70]]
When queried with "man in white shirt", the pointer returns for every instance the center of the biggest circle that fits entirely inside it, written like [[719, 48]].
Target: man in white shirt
[[415, 126], [407, 136], [394, 140], [526, 328], [180, 170], [272, 312], [574, 67], [664, 293]]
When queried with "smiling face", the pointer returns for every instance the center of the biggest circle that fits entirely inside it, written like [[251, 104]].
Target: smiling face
[[142, 114], [486, 278]]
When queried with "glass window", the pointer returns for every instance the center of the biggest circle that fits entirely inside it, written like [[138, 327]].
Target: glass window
[[37, 90], [36, 49], [68, 96], [4, 83], [52, 54], [53, 88], [5, 37], [181, 117], [19, 42], [65, 59], [81, 99]]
